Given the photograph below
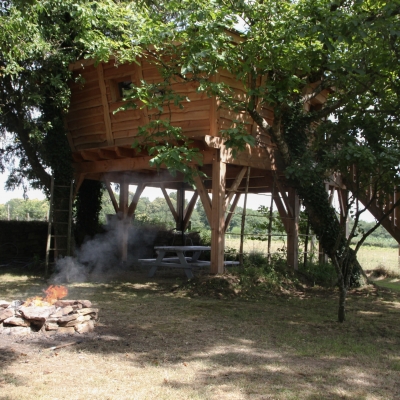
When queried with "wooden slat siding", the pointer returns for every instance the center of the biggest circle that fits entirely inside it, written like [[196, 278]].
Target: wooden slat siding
[[90, 139], [81, 94], [83, 123], [123, 141], [151, 75], [86, 114], [194, 125], [82, 86], [123, 164], [126, 133], [85, 103], [89, 130], [86, 63], [253, 156], [126, 115], [90, 146], [129, 125], [268, 114], [191, 94], [200, 104], [85, 76], [107, 122], [122, 71]]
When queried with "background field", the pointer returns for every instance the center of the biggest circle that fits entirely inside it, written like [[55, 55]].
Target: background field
[[370, 257]]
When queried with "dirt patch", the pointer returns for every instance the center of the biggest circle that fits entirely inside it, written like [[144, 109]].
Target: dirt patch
[[156, 340]]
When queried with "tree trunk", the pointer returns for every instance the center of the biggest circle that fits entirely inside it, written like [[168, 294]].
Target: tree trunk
[[342, 302], [308, 181]]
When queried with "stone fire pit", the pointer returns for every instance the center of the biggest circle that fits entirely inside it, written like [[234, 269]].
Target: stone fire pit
[[46, 314]]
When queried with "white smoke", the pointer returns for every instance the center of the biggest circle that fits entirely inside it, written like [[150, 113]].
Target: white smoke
[[100, 258]]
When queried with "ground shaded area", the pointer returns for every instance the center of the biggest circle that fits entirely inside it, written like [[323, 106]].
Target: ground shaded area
[[158, 339]]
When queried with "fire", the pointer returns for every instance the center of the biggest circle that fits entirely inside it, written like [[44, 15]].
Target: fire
[[53, 293]]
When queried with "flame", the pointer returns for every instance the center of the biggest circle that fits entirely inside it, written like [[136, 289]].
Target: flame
[[53, 293]]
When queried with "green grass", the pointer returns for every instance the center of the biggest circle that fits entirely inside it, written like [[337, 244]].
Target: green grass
[[155, 339]]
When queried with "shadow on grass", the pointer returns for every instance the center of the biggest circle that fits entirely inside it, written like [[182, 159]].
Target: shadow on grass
[[279, 347]]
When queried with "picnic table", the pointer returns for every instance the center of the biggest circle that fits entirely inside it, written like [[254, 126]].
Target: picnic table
[[178, 259]]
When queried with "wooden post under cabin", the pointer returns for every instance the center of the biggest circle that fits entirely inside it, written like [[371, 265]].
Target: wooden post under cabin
[[123, 219], [218, 216]]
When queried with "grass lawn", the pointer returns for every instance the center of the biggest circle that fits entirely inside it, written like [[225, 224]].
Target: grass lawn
[[153, 341]]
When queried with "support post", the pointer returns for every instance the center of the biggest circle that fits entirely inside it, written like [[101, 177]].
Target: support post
[[123, 220], [293, 231], [244, 218], [218, 216]]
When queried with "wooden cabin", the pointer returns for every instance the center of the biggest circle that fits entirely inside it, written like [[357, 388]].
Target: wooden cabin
[[101, 142]]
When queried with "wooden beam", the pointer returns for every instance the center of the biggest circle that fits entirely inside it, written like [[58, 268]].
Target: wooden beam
[[231, 211], [111, 194], [332, 195], [125, 164], [218, 217], [255, 157], [285, 198], [204, 197], [106, 110], [125, 152], [282, 210], [123, 219], [169, 202], [107, 154], [232, 190], [135, 199], [88, 155], [189, 209], [79, 178]]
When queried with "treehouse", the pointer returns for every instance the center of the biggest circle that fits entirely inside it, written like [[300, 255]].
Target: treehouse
[[101, 142]]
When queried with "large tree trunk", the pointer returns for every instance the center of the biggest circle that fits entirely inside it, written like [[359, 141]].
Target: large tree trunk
[[293, 145]]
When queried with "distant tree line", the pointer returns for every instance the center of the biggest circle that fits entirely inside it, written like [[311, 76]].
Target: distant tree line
[[157, 212], [24, 210]]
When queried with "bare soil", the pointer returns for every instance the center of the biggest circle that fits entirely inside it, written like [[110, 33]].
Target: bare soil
[[157, 339]]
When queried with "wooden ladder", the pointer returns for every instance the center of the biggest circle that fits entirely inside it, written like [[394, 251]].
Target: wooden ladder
[[52, 244]]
